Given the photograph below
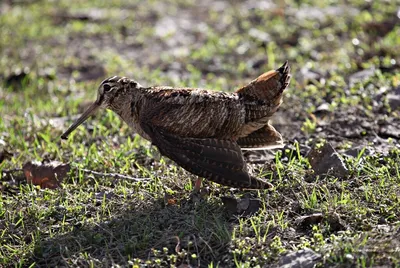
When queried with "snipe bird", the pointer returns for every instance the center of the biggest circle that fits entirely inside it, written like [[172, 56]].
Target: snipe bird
[[202, 131]]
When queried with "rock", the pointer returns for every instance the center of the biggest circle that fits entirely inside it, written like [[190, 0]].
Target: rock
[[309, 219], [245, 206], [389, 131], [355, 151], [394, 101], [333, 219], [305, 258], [361, 75], [322, 110], [326, 161]]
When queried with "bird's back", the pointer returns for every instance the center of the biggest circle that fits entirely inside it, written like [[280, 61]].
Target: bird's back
[[196, 113], [200, 113]]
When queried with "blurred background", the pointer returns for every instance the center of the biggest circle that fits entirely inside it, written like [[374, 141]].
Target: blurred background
[[63, 49]]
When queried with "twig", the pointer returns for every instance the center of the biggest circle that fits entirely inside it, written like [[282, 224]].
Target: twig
[[96, 173], [113, 175], [178, 244]]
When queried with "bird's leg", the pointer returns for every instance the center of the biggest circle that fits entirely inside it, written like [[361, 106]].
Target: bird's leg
[[197, 185], [197, 194]]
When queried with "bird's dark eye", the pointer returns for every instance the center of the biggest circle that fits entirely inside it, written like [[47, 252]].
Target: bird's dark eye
[[107, 87]]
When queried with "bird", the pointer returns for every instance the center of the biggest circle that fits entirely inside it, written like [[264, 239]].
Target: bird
[[203, 131]]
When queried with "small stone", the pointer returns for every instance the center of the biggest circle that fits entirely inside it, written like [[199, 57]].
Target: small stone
[[305, 258], [355, 151], [326, 161], [307, 220], [322, 110], [243, 207], [361, 75], [394, 101], [349, 256]]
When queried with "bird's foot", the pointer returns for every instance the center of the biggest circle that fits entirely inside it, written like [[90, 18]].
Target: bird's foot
[[198, 195]]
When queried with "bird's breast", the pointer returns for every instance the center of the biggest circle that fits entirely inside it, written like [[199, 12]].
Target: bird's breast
[[131, 118]]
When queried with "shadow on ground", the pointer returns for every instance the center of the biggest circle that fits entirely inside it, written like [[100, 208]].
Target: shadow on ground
[[160, 234]]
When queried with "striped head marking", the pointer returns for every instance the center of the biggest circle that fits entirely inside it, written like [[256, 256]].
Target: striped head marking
[[110, 93], [111, 88]]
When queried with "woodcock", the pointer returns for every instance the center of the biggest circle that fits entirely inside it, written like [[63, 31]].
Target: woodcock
[[202, 131]]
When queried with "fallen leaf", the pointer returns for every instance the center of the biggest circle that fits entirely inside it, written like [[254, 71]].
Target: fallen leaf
[[243, 203], [170, 199], [184, 265], [49, 175], [355, 151]]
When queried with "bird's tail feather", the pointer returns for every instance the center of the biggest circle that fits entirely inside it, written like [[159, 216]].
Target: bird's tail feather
[[268, 87]]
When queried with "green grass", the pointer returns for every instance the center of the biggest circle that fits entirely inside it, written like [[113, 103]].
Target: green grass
[[108, 220]]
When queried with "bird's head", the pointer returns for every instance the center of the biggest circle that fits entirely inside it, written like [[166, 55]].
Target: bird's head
[[111, 94]]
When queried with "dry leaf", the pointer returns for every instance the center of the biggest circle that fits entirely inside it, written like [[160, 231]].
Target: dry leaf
[[49, 175], [171, 201]]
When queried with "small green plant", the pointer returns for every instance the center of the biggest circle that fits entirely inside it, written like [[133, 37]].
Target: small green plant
[[309, 126]]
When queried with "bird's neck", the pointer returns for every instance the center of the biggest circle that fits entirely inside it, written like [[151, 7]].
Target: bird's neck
[[128, 108]]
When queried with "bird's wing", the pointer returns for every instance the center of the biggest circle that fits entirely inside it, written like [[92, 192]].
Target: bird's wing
[[264, 138], [218, 160], [193, 113]]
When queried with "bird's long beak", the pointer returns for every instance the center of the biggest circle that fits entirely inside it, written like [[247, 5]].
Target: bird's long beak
[[91, 110]]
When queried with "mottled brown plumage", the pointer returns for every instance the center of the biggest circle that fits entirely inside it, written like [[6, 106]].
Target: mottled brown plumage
[[201, 130]]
